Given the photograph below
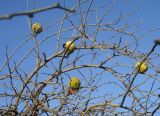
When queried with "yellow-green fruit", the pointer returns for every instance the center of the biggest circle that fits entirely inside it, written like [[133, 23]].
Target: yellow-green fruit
[[74, 83], [143, 67], [70, 46], [37, 28]]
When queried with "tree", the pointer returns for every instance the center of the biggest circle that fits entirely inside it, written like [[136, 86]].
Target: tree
[[35, 76]]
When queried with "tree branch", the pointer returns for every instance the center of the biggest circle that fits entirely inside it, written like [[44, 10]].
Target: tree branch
[[31, 13]]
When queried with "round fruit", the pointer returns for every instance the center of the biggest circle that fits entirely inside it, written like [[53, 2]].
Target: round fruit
[[37, 28], [143, 67], [70, 46], [74, 83]]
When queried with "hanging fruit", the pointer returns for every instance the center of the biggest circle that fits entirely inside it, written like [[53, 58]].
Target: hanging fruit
[[143, 68], [37, 28], [74, 85], [69, 46]]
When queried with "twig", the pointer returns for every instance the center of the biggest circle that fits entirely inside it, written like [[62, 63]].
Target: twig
[[154, 111]]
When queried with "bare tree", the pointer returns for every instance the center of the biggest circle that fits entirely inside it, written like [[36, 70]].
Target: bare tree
[[103, 58]]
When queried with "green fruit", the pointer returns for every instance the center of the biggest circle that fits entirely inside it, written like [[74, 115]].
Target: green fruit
[[143, 67], [37, 28], [70, 46], [74, 83]]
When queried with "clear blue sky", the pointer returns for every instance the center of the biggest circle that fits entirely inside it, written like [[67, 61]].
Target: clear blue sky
[[144, 13]]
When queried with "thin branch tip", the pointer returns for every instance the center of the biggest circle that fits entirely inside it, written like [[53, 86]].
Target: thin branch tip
[[157, 41], [56, 4]]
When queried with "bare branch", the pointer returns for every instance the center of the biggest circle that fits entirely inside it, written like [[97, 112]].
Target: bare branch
[[31, 13]]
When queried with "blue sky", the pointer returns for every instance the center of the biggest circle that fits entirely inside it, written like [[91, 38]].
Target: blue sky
[[142, 13]]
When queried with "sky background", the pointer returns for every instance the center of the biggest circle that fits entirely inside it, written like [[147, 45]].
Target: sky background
[[144, 14]]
